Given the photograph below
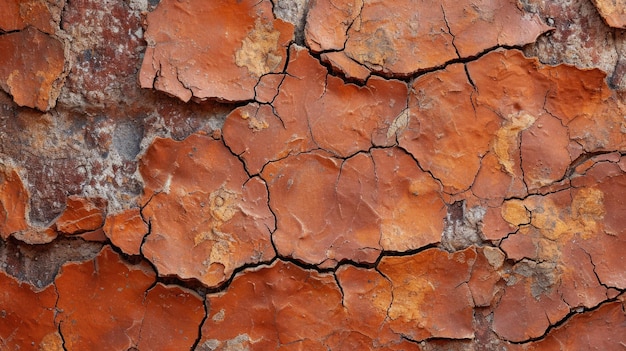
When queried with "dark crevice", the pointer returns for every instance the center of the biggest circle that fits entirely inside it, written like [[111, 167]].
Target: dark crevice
[[408, 77], [206, 316], [340, 289], [445, 20], [239, 157], [39, 265], [61, 336], [584, 157], [2, 32], [572, 313]]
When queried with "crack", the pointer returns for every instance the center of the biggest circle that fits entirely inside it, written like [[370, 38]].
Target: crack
[[5, 32], [445, 20], [340, 289], [62, 337], [562, 321], [57, 311], [194, 346], [408, 77], [594, 269]]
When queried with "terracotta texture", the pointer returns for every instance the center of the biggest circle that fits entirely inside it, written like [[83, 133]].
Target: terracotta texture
[[312, 175], [36, 67], [226, 59], [13, 203], [87, 320], [126, 230], [613, 12], [27, 316], [20, 14], [283, 307], [81, 215], [396, 39], [204, 210]]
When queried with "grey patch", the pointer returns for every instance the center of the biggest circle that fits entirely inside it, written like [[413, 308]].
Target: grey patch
[[239, 343], [294, 12], [127, 139], [463, 228], [209, 345], [39, 264], [543, 276]]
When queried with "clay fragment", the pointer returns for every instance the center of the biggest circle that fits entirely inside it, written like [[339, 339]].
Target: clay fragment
[[445, 132], [315, 110], [613, 12], [171, 319], [405, 37], [207, 216], [18, 14], [601, 329], [13, 203], [213, 49], [81, 215], [378, 201], [126, 230], [431, 297], [32, 73], [106, 305], [284, 307], [27, 316]]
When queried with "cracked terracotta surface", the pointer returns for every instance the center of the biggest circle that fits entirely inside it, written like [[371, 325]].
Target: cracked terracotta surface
[[204, 209], [350, 175], [186, 58], [37, 67]]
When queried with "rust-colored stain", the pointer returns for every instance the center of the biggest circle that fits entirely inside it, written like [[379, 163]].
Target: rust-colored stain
[[312, 175]]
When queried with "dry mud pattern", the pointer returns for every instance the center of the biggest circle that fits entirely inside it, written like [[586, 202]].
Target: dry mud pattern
[[312, 175]]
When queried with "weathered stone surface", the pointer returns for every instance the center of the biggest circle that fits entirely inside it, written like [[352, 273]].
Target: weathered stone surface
[[105, 311], [580, 37], [445, 131], [485, 275], [207, 217], [38, 264], [273, 306], [431, 297], [18, 14], [27, 316], [171, 319], [126, 230], [284, 307], [81, 215], [311, 111], [531, 304], [601, 329], [13, 203], [33, 73], [613, 12], [105, 52], [378, 201], [403, 37], [424, 186], [222, 61]]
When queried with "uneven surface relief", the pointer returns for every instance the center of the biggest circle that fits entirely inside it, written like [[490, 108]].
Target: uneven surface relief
[[312, 175]]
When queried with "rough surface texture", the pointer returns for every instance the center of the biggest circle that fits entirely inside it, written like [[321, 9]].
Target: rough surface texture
[[348, 175]]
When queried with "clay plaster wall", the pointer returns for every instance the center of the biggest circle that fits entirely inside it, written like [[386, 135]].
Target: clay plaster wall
[[312, 175]]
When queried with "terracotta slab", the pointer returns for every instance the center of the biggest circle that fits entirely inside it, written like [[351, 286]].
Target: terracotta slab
[[32, 74], [213, 49], [207, 216]]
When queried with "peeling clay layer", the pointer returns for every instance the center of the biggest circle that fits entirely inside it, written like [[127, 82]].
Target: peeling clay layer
[[350, 175]]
